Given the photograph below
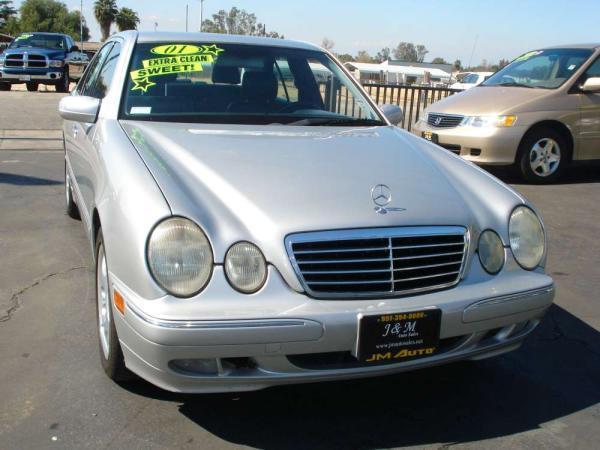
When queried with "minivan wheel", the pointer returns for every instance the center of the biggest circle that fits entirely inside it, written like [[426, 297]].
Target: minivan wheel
[[111, 355], [70, 205], [543, 156], [32, 87]]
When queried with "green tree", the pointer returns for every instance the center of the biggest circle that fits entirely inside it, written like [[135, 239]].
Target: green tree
[[409, 52], [438, 60], [421, 52], [127, 19], [105, 12], [363, 57], [237, 21], [457, 64], [345, 57], [50, 16], [503, 63], [7, 12], [383, 55]]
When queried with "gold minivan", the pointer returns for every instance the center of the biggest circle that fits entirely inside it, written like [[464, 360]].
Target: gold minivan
[[541, 112]]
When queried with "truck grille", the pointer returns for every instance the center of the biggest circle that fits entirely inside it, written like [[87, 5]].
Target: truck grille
[[25, 60], [444, 120], [37, 61], [378, 262], [13, 61]]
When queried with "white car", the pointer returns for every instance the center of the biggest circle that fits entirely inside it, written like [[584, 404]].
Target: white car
[[471, 80]]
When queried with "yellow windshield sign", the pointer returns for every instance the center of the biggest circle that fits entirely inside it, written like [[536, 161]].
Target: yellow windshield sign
[[177, 58]]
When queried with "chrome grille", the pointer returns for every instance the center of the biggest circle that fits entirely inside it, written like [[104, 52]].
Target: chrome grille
[[378, 262], [13, 61], [444, 120], [37, 61]]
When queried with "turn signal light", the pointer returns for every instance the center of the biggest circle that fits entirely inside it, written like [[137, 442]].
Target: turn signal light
[[119, 302]]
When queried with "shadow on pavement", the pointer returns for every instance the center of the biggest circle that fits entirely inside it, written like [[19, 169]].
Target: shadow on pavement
[[579, 173], [556, 373], [26, 180]]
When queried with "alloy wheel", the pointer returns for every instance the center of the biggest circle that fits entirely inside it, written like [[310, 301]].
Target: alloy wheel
[[544, 157], [103, 298]]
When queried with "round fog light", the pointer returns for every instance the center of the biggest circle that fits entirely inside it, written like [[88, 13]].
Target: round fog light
[[245, 267]]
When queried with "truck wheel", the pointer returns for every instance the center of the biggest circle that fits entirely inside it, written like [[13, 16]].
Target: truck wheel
[[111, 355], [5, 86], [543, 155], [64, 83], [32, 87], [71, 206]]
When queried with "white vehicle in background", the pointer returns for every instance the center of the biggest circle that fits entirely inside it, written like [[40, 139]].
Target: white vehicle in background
[[472, 79]]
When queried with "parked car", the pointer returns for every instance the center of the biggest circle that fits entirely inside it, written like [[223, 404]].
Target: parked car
[[471, 79], [41, 58], [541, 113], [251, 229]]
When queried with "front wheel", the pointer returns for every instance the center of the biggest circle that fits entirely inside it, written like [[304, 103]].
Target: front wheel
[[64, 83], [543, 156], [32, 87], [111, 355]]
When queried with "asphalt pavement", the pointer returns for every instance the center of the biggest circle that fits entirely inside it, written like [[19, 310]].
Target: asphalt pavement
[[54, 394]]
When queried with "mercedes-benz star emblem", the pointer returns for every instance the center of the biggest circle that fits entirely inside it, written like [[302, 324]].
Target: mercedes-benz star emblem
[[381, 195]]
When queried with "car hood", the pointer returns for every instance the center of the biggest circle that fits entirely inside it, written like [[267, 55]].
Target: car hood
[[483, 100], [51, 54], [263, 183]]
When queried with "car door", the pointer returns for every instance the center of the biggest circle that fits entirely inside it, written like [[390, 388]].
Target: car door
[[97, 87], [77, 134], [589, 130]]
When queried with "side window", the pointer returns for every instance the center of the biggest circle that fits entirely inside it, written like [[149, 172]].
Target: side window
[[93, 69], [102, 82], [287, 90], [593, 70]]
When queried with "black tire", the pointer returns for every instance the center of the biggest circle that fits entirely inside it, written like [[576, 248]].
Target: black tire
[[70, 205], [541, 166], [5, 86], [32, 87], [64, 84], [113, 363]]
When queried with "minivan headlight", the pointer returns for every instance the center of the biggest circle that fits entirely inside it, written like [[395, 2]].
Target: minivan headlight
[[245, 267], [527, 238], [489, 121], [491, 251], [180, 257]]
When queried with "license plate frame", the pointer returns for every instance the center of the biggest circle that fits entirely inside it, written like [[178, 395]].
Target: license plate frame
[[416, 335], [24, 77], [430, 136]]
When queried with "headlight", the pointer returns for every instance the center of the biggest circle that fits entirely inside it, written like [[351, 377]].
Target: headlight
[[55, 63], [527, 240], [245, 267], [180, 257], [491, 251], [489, 121]]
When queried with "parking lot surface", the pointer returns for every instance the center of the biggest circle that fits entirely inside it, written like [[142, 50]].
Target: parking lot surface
[[54, 394]]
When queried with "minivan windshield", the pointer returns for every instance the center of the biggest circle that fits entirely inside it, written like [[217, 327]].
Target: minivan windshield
[[206, 82], [39, 40], [546, 69]]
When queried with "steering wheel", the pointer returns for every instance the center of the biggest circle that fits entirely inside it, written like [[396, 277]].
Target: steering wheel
[[293, 107]]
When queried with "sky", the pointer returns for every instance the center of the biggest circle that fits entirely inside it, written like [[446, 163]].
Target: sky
[[449, 29]]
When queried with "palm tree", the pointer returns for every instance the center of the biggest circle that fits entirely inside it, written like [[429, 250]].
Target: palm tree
[[127, 19], [106, 12]]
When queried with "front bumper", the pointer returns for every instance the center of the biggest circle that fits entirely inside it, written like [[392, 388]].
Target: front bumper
[[284, 337], [25, 75], [486, 146]]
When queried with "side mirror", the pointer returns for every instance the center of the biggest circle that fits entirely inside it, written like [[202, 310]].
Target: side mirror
[[79, 108], [74, 49], [392, 113], [591, 85]]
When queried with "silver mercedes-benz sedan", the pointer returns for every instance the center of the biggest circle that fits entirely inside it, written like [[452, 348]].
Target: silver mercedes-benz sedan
[[256, 220]]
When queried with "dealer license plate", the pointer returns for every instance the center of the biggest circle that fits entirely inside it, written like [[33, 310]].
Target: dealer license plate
[[24, 77], [393, 338]]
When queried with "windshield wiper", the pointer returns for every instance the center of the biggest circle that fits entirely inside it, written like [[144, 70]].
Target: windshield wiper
[[515, 84], [330, 121]]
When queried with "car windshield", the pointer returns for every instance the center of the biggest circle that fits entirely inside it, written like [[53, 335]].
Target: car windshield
[[206, 82], [547, 69], [48, 41], [471, 78]]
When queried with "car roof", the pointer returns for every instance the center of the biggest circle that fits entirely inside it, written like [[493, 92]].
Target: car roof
[[148, 36], [583, 46]]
